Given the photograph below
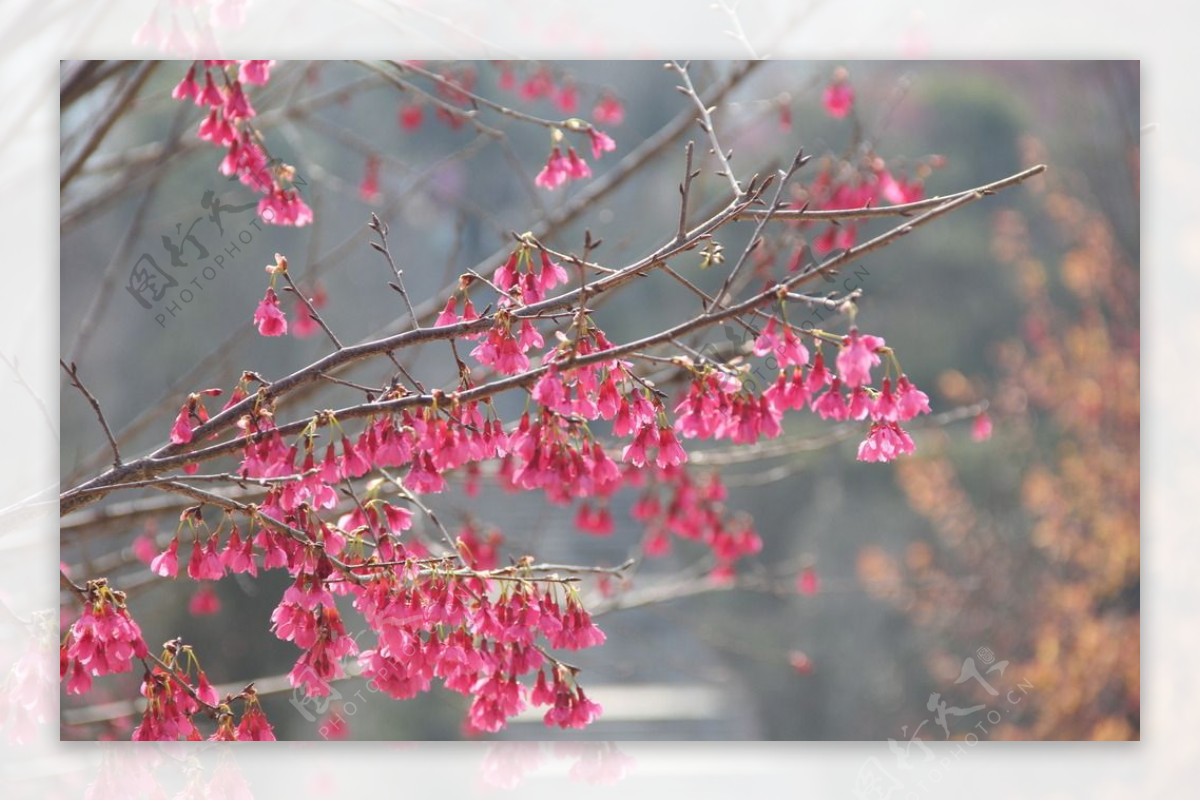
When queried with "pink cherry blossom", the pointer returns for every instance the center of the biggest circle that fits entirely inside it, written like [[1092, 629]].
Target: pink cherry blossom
[[767, 341], [567, 99], [255, 72], [187, 89], [166, 564], [269, 317], [859, 353], [284, 207], [807, 582], [181, 431], [577, 168], [555, 173], [885, 442], [669, 451], [609, 110], [832, 405], [410, 117], [104, 640], [981, 428], [368, 189], [601, 143], [204, 602], [910, 401], [838, 97]]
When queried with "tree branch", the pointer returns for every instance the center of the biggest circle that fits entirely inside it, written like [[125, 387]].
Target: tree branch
[[73, 373], [706, 124]]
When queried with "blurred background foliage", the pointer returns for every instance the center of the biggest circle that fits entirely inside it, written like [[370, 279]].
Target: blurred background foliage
[[1025, 544]]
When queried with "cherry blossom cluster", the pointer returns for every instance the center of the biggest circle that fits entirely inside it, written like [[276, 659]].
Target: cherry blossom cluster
[[269, 318], [838, 96], [521, 280], [457, 617], [478, 641], [308, 615], [103, 641], [842, 185], [562, 167], [718, 406], [592, 427], [176, 690], [454, 89], [475, 627], [228, 125], [540, 83], [677, 503]]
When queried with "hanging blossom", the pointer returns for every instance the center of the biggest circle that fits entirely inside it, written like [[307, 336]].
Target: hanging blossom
[[269, 318], [677, 503], [609, 110], [562, 167], [430, 624], [523, 279], [176, 690], [368, 189], [478, 644], [103, 641], [717, 406], [838, 97], [228, 124], [192, 411], [106, 640], [839, 186], [869, 181]]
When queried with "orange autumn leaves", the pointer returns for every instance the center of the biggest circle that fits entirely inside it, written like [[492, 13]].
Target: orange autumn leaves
[[1051, 579]]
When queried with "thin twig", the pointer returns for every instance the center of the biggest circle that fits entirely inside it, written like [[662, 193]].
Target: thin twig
[[685, 188], [379, 228], [898, 210], [371, 391], [73, 373], [572, 124], [706, 124], [312, 310], [784, 177], [119, 105], [738, 32]]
